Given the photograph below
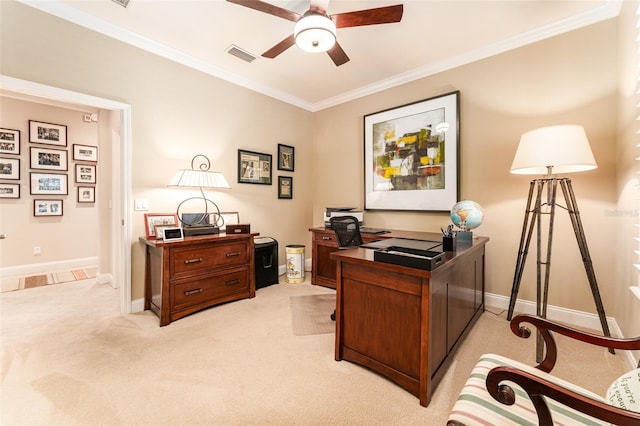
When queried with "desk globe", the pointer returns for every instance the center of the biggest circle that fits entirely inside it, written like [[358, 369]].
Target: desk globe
[[467, 215]]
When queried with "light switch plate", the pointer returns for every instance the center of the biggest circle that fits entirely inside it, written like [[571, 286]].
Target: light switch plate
[[141, 204]]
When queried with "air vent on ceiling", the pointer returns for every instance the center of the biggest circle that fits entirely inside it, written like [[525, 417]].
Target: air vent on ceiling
[[239, 53], [123, 3]]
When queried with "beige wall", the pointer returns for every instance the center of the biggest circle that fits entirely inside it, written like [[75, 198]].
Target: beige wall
[[555, 81], [627, 307], [178, 112], [59, 237]]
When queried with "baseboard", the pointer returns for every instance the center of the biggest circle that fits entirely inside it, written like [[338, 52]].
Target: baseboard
[[42, 268], [106, 279], [564, 315], [137, 305]]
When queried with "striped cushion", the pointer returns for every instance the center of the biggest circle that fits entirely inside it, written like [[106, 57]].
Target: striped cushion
[[476, 407]]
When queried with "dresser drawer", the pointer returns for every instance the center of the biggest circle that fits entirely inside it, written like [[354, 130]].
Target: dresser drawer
[[219, 287], [198, 259]]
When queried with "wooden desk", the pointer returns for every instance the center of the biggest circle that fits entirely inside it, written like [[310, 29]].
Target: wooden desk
[[183, 277], [405, 323], [324, 242]]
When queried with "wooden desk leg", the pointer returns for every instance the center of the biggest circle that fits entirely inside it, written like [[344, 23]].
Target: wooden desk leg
[[338, 348]]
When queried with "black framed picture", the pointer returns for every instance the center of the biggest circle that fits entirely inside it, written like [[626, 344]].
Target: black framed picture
[[47, 133], [47, 207], [49, 184], [9, 141], [254, 167], [285, 187], [48, 159], [86, 194], [85, 173], [9, 190], [10, 168], [411, 155], [286, 157], [85, 153]]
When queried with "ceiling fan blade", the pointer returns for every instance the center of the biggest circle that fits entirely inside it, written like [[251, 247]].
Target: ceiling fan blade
[[358, 18], [280, 47], [338, 55], [268, 8]]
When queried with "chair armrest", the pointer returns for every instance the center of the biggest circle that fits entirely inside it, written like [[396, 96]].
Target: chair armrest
[[545, 327], [538, 387]]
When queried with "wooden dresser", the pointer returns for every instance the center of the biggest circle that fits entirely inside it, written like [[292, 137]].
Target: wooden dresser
[[183, 277]]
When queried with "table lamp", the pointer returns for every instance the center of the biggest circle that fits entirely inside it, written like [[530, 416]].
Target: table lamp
[[200, 178], [545, 151]]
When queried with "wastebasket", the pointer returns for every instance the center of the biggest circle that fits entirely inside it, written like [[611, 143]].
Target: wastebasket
[[266, 261], [295, 263]]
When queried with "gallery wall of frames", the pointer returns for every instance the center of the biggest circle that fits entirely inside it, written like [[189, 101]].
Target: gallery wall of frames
[[57, 171]]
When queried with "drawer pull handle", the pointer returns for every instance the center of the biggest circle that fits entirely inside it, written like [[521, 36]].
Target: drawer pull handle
[[190, 292], [326, 238], [188, 261], [236, 253], [233, 282]]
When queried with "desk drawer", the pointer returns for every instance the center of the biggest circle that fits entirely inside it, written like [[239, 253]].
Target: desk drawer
[[187, 261], [220, 287], [326, 236]]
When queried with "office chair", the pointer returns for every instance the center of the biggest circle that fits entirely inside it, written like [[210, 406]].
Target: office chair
[[347, 229]]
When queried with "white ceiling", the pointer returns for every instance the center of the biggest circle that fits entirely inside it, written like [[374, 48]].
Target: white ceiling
[[433, 36]]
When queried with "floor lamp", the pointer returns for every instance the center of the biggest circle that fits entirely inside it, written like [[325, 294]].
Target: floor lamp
[[545, 151]]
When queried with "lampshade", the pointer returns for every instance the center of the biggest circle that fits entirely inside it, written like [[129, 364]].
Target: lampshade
[[199, 178], [315, 33], [554, 149]]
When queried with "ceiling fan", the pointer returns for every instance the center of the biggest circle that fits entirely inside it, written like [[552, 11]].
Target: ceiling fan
[[315, 30]]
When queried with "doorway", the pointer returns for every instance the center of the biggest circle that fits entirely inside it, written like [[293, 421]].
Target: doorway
[[115, 257]]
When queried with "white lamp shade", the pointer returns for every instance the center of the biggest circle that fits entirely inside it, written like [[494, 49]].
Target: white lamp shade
[[564, 148], [315, 33], [199, 178]]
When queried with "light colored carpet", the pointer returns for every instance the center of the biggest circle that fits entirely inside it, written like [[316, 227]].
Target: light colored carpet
[[69, 358], [20, 283], [312, 314]]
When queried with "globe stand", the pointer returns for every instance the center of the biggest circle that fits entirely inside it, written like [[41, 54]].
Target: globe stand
[[535, 209], [464, 237]]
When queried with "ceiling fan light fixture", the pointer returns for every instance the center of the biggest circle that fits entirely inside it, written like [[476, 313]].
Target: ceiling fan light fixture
[[315, 33]]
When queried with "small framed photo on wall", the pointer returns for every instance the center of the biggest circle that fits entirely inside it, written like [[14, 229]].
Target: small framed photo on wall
[[285, 187], [10, 168], [286, 157], [48, 159], [86, 194], [85, 173], [47, 133], [85, 153], [47, 207], [9, 190], [9, 141]]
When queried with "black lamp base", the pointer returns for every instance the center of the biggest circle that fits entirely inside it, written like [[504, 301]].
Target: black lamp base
[[192, 231]]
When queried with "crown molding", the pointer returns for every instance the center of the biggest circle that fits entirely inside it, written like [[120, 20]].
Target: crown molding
[[59, 9], [592, 16]]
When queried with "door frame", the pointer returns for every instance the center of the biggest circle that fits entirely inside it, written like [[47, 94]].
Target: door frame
[[120, 242]]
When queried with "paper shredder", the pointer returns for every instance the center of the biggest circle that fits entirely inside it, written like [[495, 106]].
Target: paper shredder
[[266, 261]]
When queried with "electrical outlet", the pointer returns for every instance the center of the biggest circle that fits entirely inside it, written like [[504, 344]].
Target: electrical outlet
[[37, 251]]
